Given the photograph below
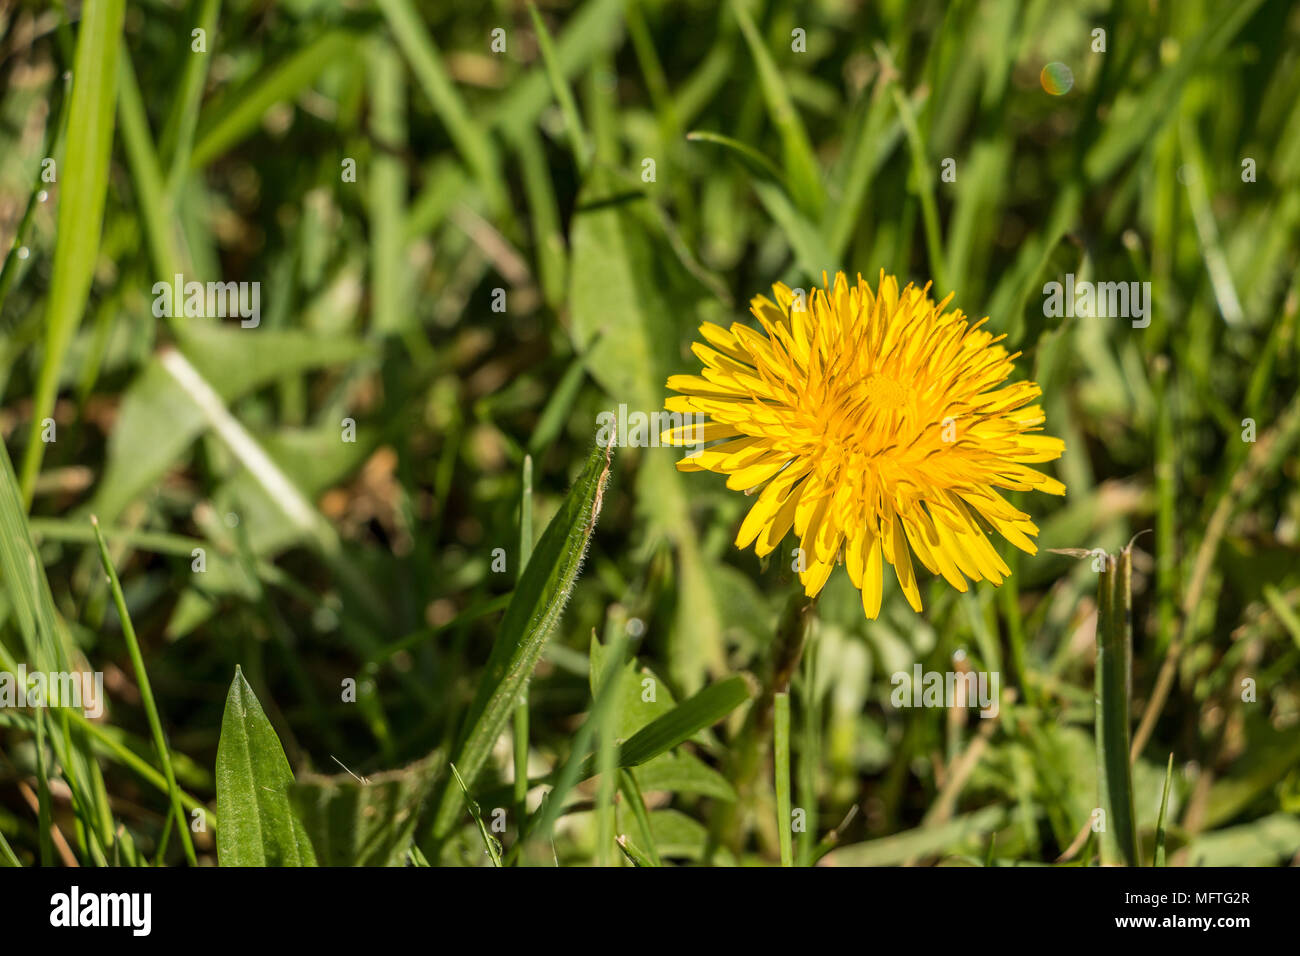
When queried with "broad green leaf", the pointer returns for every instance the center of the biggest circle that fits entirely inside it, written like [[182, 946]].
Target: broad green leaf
[[639, 702], [258, 826], [1271, 755], [534, 610], [237, 361], [370, 822], [678, 772], [83, 185], [631, 300], [159, 417], [677, 835], [1269, 841], [921, 842]]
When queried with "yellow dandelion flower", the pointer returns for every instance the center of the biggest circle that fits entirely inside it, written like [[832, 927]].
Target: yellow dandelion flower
[[870, 422]]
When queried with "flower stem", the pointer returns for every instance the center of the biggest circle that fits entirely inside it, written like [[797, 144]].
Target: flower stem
[[781, 744]]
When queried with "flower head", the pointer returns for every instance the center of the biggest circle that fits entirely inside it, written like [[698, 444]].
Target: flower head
[[876, 424]]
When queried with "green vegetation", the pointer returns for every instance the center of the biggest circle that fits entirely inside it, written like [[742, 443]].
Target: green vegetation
[[365, 590]]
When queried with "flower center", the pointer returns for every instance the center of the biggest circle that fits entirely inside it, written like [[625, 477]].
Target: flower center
[[885, 392]]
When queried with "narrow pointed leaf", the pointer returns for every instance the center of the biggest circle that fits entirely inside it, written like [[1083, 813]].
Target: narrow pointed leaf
[[532, 614], [258, 827], [685, 720]]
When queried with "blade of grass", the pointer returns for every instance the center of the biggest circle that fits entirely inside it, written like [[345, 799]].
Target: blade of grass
[[635, 855], [82, 194], [593, 27], [1114, 687], [575, 767], [681, 723], [7, 855], [579, 144], [607, 744], [521, 708], [548, 238], [490, 843], [797, 154], [535, 608], [632, 795], [151, 195], [146, 694], [387, 188], [177, 140], [922, 174], [1159, 858], [426, 63], [239, 113]]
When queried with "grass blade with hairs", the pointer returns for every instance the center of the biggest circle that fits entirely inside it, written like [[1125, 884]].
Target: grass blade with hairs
[[532, 614]]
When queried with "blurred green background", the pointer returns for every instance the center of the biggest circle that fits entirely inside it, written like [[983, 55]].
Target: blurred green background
[[463, 250]]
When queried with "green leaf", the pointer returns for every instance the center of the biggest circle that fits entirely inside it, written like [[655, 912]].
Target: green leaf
[[685, 720], [24, 578], [237, 361], [258, 827], [1268, 841], [631, 299], [811, 250], [681, 772], [797, 152], [921, 842], [532, 614], [677, 835], [675, 771], [370, 822], [471, 141], [160, 418], [749, 157], [578, 141], [83, 185]]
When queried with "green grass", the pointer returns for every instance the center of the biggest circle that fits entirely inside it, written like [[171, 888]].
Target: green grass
[[473, 583]]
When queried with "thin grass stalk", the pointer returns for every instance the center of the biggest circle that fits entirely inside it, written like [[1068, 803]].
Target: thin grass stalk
[[1113, 695], [146, 697], [520, 725]]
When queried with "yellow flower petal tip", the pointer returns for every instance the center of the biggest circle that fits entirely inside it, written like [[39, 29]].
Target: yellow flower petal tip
[[875, 424]]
